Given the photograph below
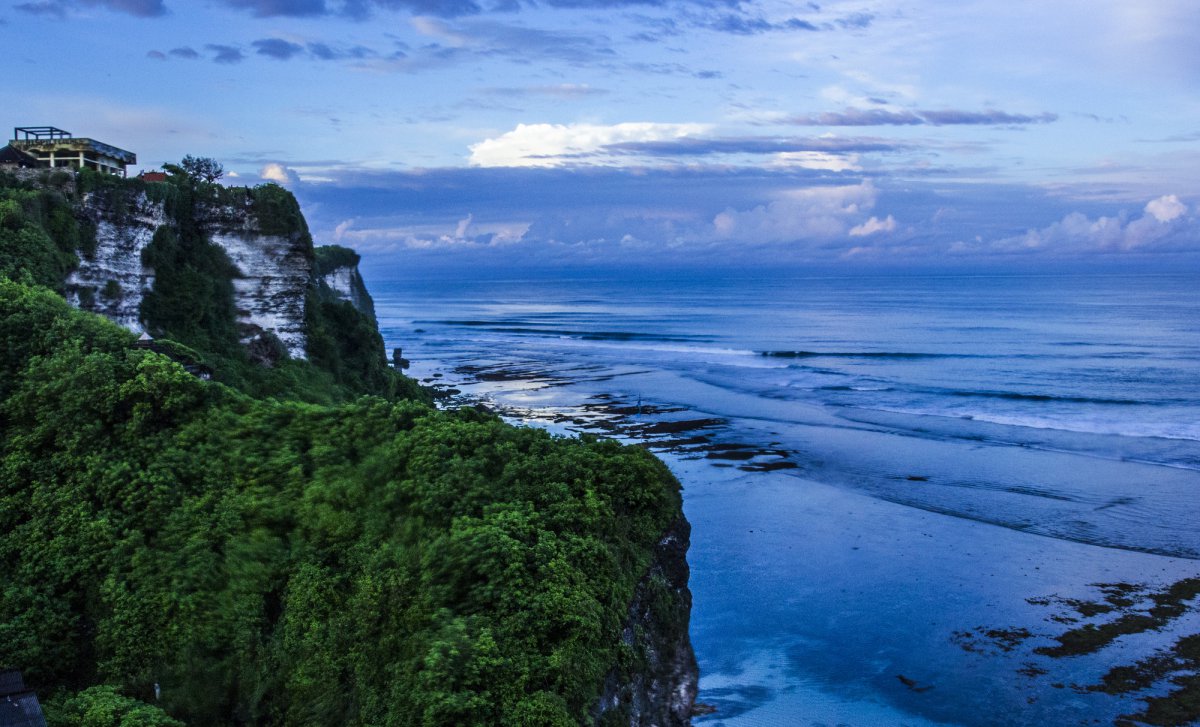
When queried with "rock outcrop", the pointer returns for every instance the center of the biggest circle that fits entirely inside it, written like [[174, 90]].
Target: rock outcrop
[[273, 277], [336, 275], [270, 288], [659, 688], [111, 279]]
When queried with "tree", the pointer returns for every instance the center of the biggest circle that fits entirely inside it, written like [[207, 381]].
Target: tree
[[203, 169]]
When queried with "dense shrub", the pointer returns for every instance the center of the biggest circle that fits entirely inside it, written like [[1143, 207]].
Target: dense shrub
[[275, 562]]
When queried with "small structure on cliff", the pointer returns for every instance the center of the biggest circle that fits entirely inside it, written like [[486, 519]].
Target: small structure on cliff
[[50, 146]]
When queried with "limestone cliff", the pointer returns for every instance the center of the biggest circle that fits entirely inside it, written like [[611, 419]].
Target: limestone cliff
[[274, 271], [658, 688], [273, 267], [335, 272], [111, 279]]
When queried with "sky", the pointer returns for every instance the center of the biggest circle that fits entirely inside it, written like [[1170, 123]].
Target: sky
[[520, 134]]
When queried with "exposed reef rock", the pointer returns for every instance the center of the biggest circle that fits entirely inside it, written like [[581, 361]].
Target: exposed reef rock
[[658, 688]]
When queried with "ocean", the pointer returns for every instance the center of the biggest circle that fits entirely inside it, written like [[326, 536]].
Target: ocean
[[902, 488]]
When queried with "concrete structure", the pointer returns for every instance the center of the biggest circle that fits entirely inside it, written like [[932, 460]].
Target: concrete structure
[[54, 147]]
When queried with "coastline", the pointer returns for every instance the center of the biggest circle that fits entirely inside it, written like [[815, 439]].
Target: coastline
[[793, 570]]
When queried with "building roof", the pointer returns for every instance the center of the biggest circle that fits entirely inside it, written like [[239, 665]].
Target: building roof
[[46, 138], [40, 132]]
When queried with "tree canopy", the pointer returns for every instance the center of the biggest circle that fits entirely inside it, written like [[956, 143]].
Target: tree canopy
[[204, 169]]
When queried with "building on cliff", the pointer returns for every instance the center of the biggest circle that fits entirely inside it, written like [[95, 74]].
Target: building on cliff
[[50, 146]]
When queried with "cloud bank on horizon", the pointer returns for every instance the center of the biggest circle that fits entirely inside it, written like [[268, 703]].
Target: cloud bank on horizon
[[662, 132]]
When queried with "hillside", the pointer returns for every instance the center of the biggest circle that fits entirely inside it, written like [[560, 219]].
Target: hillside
[[302, 539]]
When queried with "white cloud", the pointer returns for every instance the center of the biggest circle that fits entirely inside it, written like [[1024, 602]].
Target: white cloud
[[464, 225], [548, 145], [1166, 208], [817, 160], [1164, 224], [800, 214], [465, 234], [275, 172], [343, 228], [874, 225], [440, 30]]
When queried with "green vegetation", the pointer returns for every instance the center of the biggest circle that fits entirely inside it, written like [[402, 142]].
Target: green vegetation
[[38, 234], [331, 257], [192, 302], [104, 706], [265, 558], [276, 562]]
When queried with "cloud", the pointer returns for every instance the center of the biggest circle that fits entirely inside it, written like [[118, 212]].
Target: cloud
[[362, 9], [272, 8], [60, 8], [545, 145], [560, 90], [185, 52], [156, 55], [688, 215], [277, 48], [487, 40], [856, 21], [323, 52], [226, 53], [279, 173], [1176, 138], [803, 214], [874, 225], [741, 24], [945, 117], [1165, 224], [1166, 208], [495, 38], [462, 236], [703, 146]]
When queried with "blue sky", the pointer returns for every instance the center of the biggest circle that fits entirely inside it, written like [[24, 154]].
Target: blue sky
[[689, 132]]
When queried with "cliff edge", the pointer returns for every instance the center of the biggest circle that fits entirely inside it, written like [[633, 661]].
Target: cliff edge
[[658, 687], [234, 555]]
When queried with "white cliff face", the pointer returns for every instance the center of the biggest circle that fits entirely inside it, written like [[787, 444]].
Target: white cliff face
[[341, 282], [269, 293], [112, 281], [347, 283]]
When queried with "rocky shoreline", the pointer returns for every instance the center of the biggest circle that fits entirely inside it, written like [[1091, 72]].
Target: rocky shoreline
[[661, 429]]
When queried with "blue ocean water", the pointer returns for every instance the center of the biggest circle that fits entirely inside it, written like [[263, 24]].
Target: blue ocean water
[[887, 463]]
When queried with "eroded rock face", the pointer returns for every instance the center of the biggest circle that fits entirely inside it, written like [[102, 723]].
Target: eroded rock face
[[660, 689], [112, 280], [346, 282], [269, 292]]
